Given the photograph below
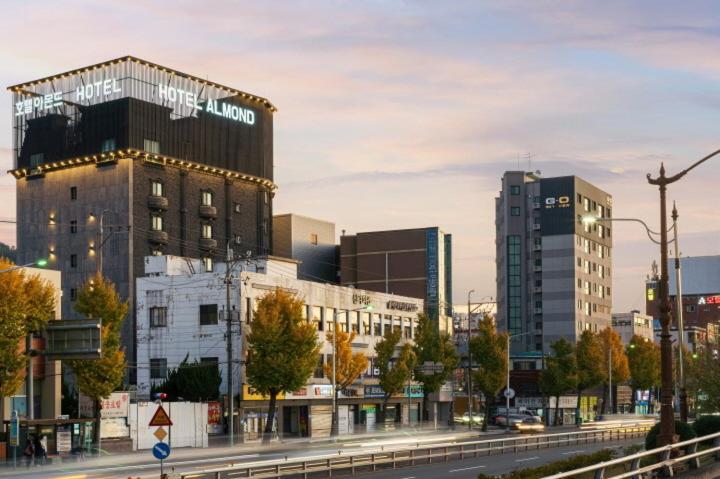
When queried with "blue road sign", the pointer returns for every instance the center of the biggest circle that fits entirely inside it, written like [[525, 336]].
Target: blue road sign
[[161, 450]]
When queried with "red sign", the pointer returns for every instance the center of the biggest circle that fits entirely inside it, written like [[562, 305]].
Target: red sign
[[214, 413], [160, 418], [709, 300]]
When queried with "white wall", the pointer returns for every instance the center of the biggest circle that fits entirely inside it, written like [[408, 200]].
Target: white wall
[[189, 427]]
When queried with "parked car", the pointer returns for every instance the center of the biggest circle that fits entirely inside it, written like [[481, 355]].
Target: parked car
[[501, 420]]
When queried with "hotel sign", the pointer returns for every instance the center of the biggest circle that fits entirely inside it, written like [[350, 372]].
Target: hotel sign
[[167, 94], [709, 299]]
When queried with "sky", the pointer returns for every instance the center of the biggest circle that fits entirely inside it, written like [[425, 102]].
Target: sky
[[400, 114]]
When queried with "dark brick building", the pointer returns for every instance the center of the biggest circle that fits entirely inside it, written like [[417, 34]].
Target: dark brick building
[[412, 262], [160, 161]]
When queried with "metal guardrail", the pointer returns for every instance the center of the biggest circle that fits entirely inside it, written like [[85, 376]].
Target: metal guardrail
[[393, 457], [669, 458]]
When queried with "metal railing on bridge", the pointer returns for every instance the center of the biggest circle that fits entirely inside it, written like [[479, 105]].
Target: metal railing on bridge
[[396, 456]]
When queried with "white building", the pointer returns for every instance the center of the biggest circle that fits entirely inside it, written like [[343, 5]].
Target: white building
[[633, 323], [181, 310]]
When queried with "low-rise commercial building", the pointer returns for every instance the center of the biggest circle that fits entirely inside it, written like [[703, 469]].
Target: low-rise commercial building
[[310, 241], [633, 323], [181, 313]]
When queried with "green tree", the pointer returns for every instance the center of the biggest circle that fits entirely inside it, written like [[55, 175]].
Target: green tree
[[489, 350], [26, 305], [437, 348], [97, 378], [394, 372], [283, 349], [588, 355], [349, 365], [612, 343], [192, 381], [644, 363], [560, 373]]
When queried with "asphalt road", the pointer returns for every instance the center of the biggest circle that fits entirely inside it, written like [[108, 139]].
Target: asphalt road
[[491, 465]]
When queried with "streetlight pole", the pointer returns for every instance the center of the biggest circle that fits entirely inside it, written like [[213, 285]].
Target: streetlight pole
[[41, 263], [667, 416], [470, 389], [610, 401], [680, 322], [507, 386]]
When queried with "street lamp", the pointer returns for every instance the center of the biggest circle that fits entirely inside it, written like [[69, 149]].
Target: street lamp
[[40, 263], [334, 427], [667, 417], [507, 387], [682, 396]]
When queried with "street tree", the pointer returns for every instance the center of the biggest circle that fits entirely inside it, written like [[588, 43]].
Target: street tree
[[588, 355], [26, 305], [613, 352], [436, 349], [97, 378], [644, 363], [706, 369], [283, 349], [349, 365], [560, 373], [395, 372], [489, 350], [192, 381]]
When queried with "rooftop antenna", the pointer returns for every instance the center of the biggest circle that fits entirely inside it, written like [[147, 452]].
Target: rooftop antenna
[[518, 160], [529, 157]]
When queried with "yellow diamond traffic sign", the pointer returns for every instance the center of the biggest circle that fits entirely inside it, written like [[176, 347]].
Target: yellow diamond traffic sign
[[160, 434]]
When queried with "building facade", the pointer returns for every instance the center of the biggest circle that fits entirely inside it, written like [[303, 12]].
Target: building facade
[[310, 241], [700, 291], [412, 262], [553, 271], [632, 324], [181, 312], [125, 159]]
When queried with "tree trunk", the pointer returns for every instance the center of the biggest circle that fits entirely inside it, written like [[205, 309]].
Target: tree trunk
[[425, 412], [267, 433], [557, 410], [487, 415], [96, 429], [577, 407], [632, 400], [383, 413], [605, 399]]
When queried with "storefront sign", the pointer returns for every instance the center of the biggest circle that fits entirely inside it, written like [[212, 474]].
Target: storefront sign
[[361, 299], [322, 390], [116, 405], [63, 439], [531, 402], [414, 391], [250, 394], [709, 300], [214, 413], [566, 402], [400, 306], [374, 392]]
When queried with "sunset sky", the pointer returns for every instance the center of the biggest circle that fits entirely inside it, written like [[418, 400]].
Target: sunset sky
[[397, 114]]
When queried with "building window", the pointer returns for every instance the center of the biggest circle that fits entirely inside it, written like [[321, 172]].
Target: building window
[[319, 372], [156, 222], [377, 327], [514, 190], [206, 198], [586, 204], [73, 294], [365, 323], [208, 314], [515, 211], [238, 239], [73, 227], [156, 188], [208, 264], [237, 208], [317, 313], [36, 159], [514, 284], [158, 368], [158, 317], [73, 261], [156, 252], [151, 146], [690, 308], [207, 231], [313, 238], [108, 144], [73, 193]]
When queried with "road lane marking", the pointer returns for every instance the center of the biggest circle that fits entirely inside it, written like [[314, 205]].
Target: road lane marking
[[528, 459], [572, 452], [465, 469]]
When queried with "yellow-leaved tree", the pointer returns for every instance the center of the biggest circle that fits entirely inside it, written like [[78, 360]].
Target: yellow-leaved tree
[[26, 305], [348, 365], [283, 349], [97, 378]]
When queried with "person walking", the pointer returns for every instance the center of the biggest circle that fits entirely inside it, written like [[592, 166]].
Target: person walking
[[40, 452], [29, 451]]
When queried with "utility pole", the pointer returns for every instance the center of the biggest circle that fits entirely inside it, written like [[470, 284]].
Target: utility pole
[[230, 360], [470, 389], [610, 402], [679, 316]]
